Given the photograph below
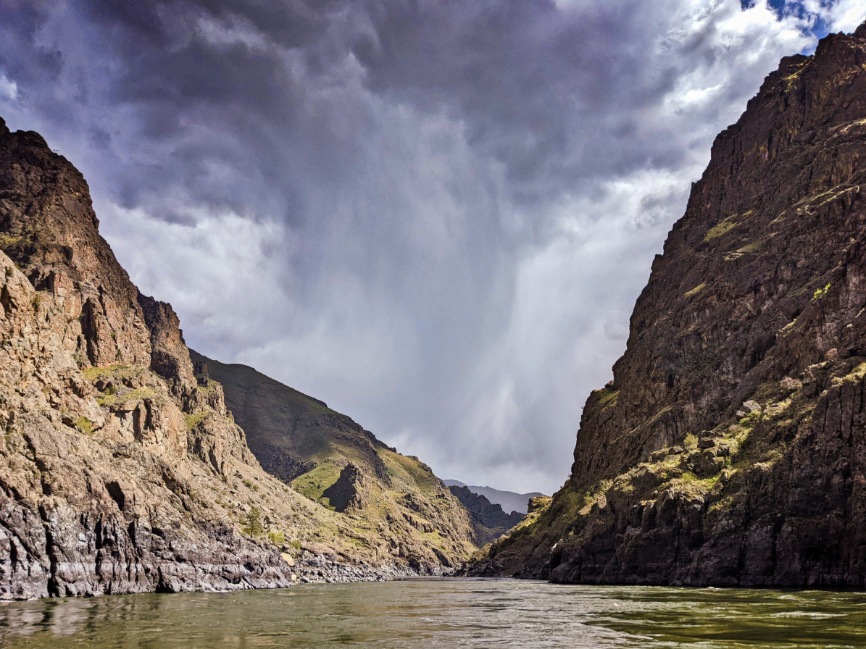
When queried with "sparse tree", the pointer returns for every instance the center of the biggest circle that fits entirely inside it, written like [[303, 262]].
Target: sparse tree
[[252, 522]]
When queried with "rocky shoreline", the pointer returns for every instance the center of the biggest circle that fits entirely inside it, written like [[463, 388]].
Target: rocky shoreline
[[324, 569]]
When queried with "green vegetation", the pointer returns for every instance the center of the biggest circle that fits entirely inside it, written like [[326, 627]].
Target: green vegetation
[[821, 292], [209, 387], [7, 241], [108, 396], [118, 378], [594, 496], [854, 376], [314, 482], [608, 398], [9, 271], [409, 470], [690, 485], [117, 371], [723, 227], [277, 538], [84, 425], [252, 522], [124, 396], [750, 248], [751, 420], [193, 420], [697, 289]]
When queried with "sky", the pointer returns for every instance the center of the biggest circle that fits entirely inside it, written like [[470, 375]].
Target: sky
[[435, 215]]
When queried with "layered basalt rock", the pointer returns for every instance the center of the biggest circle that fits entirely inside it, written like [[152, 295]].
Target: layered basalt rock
[[97, 494], [730, 447], [120, 470]]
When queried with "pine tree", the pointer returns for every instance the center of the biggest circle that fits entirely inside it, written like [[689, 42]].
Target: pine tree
[[252, 522]]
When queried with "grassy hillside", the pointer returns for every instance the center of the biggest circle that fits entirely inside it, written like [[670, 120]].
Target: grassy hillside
[[397, 506]]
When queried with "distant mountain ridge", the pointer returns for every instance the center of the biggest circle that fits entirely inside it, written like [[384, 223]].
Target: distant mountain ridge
[[488, 519], [510, 501]]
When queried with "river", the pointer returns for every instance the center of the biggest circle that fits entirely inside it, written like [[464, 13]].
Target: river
[[444, 613]]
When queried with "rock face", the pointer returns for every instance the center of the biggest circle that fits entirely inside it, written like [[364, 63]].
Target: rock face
[[508, 500], [488, 520], [395, 503], [120, 470], [98, 467], [352, 490], [730, 447]]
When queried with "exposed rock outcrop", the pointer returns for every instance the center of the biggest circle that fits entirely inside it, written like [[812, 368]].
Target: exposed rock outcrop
[[730, 447], [352, 490], [488, 520], [101, 497], [120, 470]]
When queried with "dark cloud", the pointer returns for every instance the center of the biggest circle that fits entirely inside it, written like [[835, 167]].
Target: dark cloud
[[434, 215]]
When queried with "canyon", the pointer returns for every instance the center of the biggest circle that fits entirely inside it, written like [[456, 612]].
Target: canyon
[[122, 469], [730, 447]]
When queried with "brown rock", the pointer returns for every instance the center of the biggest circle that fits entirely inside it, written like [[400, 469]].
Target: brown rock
[[775, 234], [120, 470]]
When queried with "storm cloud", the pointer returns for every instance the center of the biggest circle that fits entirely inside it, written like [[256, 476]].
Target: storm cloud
[[434, 215]]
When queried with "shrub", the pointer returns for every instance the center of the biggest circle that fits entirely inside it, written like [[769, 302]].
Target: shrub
[[277, 538], [192, 421], [722, 228]]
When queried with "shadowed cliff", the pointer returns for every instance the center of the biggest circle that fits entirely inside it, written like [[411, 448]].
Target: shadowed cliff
[[730, 447]]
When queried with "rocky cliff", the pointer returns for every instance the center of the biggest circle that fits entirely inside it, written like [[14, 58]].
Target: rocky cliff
[[730, 447], [120, 471], [396, 502], [510, 501], [488, 519]]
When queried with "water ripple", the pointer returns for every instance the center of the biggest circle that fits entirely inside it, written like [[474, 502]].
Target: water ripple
[[445, 613]]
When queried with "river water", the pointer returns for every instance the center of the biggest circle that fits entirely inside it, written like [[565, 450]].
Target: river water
[[444, 613]]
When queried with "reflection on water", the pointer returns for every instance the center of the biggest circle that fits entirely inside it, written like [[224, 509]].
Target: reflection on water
[[445, 613]]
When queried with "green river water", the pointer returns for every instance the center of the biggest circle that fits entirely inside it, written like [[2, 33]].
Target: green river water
[[444, 613]]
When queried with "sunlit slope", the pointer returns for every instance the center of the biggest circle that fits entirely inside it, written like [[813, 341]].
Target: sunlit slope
[[399, 505]]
